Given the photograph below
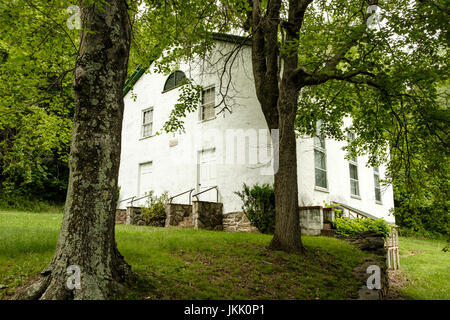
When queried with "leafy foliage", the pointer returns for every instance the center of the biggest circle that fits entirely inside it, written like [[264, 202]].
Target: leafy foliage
[[347, 227], [37, 56], [259, 206], [398, 103], [421, 234], [154, 210], [187, 102]]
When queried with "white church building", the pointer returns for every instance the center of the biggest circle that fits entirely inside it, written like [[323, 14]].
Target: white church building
[[226, 143]]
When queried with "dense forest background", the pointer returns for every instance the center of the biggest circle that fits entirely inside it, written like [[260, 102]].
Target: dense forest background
[[36, 108]]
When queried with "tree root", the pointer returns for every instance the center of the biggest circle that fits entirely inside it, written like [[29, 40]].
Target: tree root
[[277, 245], [51, 284]]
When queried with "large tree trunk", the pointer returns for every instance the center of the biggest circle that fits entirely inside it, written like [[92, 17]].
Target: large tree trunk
[[87, 237], [278, 99], [287, 236]]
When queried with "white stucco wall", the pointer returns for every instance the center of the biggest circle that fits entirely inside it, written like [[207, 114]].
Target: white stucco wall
[[175, 169]]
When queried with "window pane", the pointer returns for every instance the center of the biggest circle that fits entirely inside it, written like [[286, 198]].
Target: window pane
[[208, 104], [179, 77], [351, 136], [208, 112], [377, 181], [319, 142], [170, 82], [354, 187], [321, 178], [378, 194], [319, 159], [208, 96], [147, 130], [353, 171], [174, 79], [148, 117]]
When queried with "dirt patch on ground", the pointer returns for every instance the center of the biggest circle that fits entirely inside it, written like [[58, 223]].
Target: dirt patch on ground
[[412, 252], [397, 281], [21, 289]]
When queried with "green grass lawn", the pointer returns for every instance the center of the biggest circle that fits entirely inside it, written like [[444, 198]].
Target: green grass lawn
[[175, 263], [426, 268]]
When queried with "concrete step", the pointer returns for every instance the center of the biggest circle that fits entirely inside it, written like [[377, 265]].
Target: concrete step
[[327, 226], [328, 232]]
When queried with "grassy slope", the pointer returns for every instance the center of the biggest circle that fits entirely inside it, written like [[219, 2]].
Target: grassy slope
[[191, 264], [426, 267]]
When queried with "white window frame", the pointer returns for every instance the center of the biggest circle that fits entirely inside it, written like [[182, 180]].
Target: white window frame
[[202, 104], [377, 186], [143, 125], [353, 162], [322, 150]]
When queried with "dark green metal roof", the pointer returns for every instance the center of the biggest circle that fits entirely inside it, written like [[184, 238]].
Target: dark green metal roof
[[137, 74], [131, 81]]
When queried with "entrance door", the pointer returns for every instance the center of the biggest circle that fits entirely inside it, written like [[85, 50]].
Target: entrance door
[[145, 180], [207, 175]]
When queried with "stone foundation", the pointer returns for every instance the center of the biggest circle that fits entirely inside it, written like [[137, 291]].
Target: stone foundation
[[311, 220], [134, 216], [179, 215], [237, 222], [207, 215], [121, 216]]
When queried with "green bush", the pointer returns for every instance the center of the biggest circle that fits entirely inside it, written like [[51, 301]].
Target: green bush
[[154, 211], [421, 234], [347, 227], [30, 204], [259, 206], [428, 220]]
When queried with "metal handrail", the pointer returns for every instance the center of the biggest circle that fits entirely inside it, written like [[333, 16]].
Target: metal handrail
[[132, 199], [215, 187], [126, 199], [357, 211], [190, 195], [180, 194]]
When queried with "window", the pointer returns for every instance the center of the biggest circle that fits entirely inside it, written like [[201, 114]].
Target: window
[[145, 179], [353, 167], [207, 110], [320, 158], [376, 178], [147, 123], [174, 80]]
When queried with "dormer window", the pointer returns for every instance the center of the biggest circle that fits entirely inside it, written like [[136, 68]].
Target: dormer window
[[174, 80]]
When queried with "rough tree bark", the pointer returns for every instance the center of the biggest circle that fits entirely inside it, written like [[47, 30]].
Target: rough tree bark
[[278, 82], [278, 96], [87, 237]]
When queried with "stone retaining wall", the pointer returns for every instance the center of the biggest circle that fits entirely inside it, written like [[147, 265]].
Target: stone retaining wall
[[207, 215], [237, 222], [374, 243], [179, 215], [134, 216], [121, 216]]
